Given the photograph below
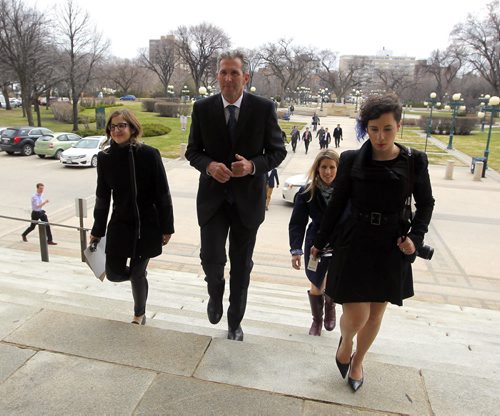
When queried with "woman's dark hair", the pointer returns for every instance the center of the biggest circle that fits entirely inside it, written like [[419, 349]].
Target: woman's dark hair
[[373, 108], [131, 119]]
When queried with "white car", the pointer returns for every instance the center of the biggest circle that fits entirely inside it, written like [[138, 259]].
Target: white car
[[84, 153], [292, 186]]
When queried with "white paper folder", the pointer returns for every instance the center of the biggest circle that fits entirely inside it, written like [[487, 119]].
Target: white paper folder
[[97, 259]]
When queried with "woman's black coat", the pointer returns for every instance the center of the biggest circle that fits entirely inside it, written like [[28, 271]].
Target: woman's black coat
[[135, 229]]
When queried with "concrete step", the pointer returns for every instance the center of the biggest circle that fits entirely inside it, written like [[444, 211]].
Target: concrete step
[[52, 363], [422, 335]]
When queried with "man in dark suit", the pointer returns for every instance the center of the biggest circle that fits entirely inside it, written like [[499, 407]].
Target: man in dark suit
[[337, 135], [234, 141]]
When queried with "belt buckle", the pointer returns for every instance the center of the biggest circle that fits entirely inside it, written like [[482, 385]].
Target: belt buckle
[[375, 218]]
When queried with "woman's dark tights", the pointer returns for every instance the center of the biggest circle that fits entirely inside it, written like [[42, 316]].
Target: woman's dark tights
[[118, 271]]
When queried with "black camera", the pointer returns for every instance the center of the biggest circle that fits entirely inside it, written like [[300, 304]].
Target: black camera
[[425, 252]]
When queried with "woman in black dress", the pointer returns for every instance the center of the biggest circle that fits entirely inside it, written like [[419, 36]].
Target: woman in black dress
[[372, 256], [142, 220], [311, 202]]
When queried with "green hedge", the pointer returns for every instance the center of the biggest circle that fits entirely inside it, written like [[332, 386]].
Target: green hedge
[[152, 130], [148, 104], [442, 125], [90, 132], [166, 109]]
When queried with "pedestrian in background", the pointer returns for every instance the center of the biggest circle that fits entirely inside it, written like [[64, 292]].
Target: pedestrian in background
[[39, 214], [337, 135], [307, 138], [272, 182]]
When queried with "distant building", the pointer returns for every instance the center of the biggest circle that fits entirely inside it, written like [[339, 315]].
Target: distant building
[[373, 64], [155, 45]]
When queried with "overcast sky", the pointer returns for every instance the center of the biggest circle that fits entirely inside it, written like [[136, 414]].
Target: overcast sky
[[348, 27]]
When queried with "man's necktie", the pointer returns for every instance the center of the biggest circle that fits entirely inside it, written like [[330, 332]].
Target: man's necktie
[[231, 123]]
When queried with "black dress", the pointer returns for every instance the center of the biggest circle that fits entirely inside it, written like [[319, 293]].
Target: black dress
[[367, 265]]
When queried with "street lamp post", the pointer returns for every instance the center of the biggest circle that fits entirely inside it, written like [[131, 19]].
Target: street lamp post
[[321, 94], [433, 102], [493, 107], [454, 105], [202, 91], [356, 94], [483, 101], [185, 93]]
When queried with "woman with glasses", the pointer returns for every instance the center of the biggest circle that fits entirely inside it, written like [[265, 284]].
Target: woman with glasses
[[142, 218], [311, 203], [372, 249]]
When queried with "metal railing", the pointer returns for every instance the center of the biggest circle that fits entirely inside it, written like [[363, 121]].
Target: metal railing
[[42, 233]]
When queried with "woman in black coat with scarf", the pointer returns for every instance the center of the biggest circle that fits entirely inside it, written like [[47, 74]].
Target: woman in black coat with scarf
[[311, 202], [373, 249], [142, 219]]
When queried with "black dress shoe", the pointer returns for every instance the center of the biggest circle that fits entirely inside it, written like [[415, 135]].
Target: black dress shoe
[[214, 310], [343, 368], [236, 334], [355, 384]]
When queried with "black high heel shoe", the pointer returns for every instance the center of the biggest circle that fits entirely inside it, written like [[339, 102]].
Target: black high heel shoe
[[356, 384], [343, 368]]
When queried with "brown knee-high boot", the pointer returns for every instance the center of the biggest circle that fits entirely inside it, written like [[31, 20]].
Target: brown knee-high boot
[[316, 302], [329, 313]]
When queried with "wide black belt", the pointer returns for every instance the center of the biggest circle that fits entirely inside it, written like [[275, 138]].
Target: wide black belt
[[375, 218]]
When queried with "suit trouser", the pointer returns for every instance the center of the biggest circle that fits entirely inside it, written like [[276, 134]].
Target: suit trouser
[[213, 258], [118, 271], [306, 144], [39, 216], [337, 141]]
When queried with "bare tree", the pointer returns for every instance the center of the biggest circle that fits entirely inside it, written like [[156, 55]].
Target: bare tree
[[6, 78], [292, 65], [22, 38], [83, 48], [481, 41], [254, 62], [162, 60], [198, 47], [395, 80], [445, 66], [342, 80], [123, 73]]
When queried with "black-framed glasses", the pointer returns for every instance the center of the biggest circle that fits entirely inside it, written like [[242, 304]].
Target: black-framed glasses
[[119, 126]]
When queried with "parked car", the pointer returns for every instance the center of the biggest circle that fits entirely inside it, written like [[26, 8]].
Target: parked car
[[53, 146], [292, 186], [15, 102], [22, 139], [84, 153], [128, 98]]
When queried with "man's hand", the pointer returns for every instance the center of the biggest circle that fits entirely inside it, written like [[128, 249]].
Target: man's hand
[[166, 239], [242, 167], [219, 172]]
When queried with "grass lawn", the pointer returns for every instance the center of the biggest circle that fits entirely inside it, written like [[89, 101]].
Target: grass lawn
[[168, 144]]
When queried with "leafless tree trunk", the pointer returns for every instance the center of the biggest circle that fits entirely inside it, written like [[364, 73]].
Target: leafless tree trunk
[[161, 61], [123, 73], [445, 66], [292, 65], [198, 46], [481, 41], [83, 48], [340, 81], [22, 37]]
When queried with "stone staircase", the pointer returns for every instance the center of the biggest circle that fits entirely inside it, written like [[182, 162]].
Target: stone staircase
[[422, 335]]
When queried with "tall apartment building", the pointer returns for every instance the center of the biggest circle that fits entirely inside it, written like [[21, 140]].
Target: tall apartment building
[[371, 64], [156, 44]]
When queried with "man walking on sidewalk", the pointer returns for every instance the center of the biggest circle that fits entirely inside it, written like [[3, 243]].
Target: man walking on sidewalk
[[38, 214]]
